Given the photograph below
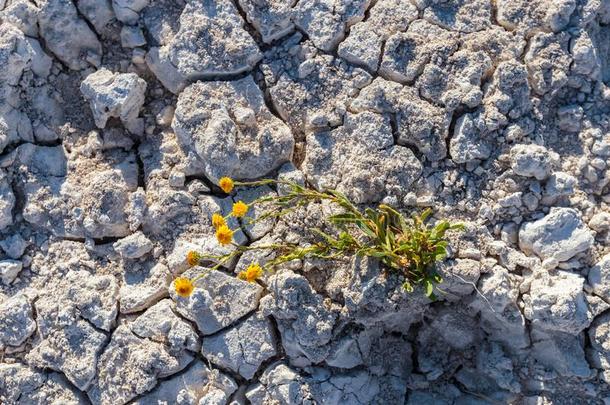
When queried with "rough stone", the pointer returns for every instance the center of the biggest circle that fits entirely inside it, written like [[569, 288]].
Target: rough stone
[[68, 36], [325, 21], [197, 385], [561, 352], [133, 246], [599, 278], [533, 161], [599, 334], [9, 270], [560, 235], [558, 303], [14, 246], [242, 348], [98, 12], [366, 39], [462, 15], [419, 123], [23, 15], [127, 11], [68, 343], [20, 384], [360, 159], [82, 203], [7, 203], [231, 130], [16, 320], [218, 300], [271, 18], [141, 288], [210, 42], [468, 142], [304, 322], [532, 16], [111, 94], [130, 366], [310, 93], [160, 324]]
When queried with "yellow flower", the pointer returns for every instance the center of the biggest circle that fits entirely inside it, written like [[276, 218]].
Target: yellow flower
[[218, 220], [192, 258], [224, 235], [240, 209], [184, 287], [253, 272], [226, 184]]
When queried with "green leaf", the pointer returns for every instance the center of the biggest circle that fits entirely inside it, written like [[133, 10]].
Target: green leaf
[[407, 286], [429, 287]]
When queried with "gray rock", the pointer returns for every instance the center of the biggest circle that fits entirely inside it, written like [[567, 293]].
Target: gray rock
[[14, 246], [376, 301], [67, 343], [231, 130], [160, 324], [533, 161], [197, 385], [325, 21], [561, 352], [419, 123], [212, 42], [305, 323], [468, 142], [560, 235], [98, 12], [111, 94], [23, 15], [365, 41], [558, 303], [20, 384], [132, 37], [406, 54], [243, 347], [548, 62], [360, 160], [600, 222], [130, 366], [9, 270], [218, 300], [531, 16], [143, 288], [599, 353], [77, 205], [599, 277], [95, 297], [271, 18], [559, 184], [279, 383], [310, 91], [16, 320], [157, 60], [460, 15], [133, 246], [67, 35], [460, 278], [7, 203], [501, 318], [127, 10]]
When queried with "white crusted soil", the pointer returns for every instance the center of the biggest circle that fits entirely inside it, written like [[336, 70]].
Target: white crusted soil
[[119, 117]]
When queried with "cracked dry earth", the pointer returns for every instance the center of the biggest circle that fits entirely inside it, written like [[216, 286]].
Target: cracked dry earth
[[117, 119]]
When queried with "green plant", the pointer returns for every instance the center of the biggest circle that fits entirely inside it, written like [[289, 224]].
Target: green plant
[[404, 244]]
